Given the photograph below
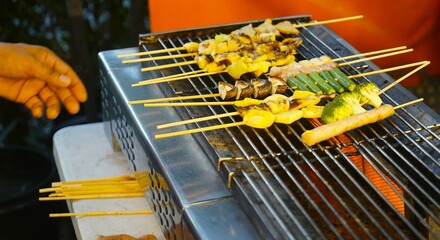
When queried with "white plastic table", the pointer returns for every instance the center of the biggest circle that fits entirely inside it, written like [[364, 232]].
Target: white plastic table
[[84, 152]]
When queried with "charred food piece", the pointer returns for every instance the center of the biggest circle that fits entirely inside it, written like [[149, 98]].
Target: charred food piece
[[244, 89], [227, 90], [262, 87]]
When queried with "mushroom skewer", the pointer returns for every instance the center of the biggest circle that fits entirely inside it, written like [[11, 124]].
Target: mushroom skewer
[[285, 27], [231, 92]]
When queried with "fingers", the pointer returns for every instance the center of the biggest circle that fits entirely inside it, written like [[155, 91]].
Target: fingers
[[68, 99], [59, 74], [36, 106], [45, 99], [51, 101], [79, 91]]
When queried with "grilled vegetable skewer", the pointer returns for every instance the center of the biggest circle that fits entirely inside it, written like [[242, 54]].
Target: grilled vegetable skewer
[[304, 107], [291, 82], [245, 50], [302, 68], [285, 27], [327, 131]]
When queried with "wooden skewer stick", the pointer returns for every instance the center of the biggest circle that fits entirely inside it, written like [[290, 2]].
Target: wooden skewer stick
[[180, 98], [238, 103], [376, 57], [189, 104], [90, 185], [95, 180], [388, 69], [173, 124], [107, 213], [403, 77], [369, 53], [151, 52], [408, 103], [93, 196], [190, 131], [175, 75], [178, 64], [328, 21], [154, 81], [159, 58]]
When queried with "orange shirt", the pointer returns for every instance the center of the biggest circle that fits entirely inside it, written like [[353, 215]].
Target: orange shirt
[[385, 24]]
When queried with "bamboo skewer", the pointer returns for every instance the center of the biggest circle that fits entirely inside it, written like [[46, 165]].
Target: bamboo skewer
[[388, 69], [96, 180], [89, 214], [175, 75], [136, 54], [93, 196], [408, 103], [173, 124], [369, 53], [204, 129], [180, 98], [159, 58], [132, 185], [404, 77], [178, 64], [328, 21], [376, 57], [155, 81], [190, 104]]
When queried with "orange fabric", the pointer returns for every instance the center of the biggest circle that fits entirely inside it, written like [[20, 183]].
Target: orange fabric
[[385, 24]]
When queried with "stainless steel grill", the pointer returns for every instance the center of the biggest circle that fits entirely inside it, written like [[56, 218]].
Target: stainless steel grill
[[378, 181]]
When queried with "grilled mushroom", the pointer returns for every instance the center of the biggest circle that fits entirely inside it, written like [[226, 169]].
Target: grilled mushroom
[[227, 90], [278, 85], [244, 89], [262, 87]]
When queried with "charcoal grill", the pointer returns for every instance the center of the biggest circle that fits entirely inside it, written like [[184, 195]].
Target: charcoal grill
[[378, 181]]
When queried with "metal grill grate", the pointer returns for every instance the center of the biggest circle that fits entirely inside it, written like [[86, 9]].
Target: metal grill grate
[[378, 181]]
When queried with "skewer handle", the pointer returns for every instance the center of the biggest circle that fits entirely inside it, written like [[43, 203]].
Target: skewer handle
[[403, 77], [328, 21], [376, 57], [369, 53], [137, 60], [211, 95], [179, 133], [187, 76], [388, 69], [150, 52], [88, 214], [408, 103], [188, 104], [146, 69], [173, 124]]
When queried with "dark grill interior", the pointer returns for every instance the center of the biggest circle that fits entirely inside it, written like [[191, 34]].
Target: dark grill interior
[[378, 181]]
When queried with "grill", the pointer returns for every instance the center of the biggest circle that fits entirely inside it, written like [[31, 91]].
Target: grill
[[378, 181]]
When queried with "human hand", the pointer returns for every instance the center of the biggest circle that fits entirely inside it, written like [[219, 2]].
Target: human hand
[[39, 79]]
